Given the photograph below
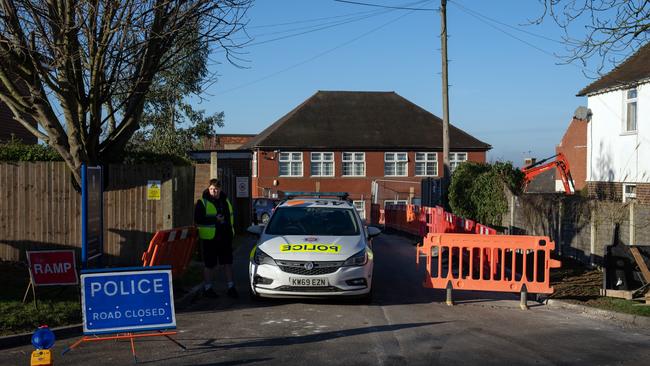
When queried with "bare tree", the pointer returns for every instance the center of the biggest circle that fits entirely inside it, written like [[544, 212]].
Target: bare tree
[[608, 29], [77, 67]]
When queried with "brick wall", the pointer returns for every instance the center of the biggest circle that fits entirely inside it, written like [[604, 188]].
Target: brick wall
[[359, 188], [613, 191], [226, 142], [574, 146]]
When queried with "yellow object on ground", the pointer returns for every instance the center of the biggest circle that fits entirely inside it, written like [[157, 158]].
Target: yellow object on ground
[[41, 357]]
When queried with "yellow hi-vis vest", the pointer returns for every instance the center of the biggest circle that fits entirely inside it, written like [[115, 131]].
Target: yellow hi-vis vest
[[207, 232]]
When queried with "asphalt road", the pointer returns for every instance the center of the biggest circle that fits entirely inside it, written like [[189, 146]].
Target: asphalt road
[[404, 325]]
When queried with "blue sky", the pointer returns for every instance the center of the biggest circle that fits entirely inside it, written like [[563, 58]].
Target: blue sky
[[510, 93]]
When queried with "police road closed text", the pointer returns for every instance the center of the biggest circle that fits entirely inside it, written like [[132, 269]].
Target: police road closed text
[[130, 313], [127, 287], [133, 300]]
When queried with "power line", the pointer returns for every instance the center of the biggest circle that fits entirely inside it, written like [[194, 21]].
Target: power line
[[319, 28], [323, 26], [468, 10], [319, 54], [385, 6], [506, 33], [309, 20]]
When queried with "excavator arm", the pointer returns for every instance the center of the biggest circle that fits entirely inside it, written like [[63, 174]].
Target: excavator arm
[[560, 163]]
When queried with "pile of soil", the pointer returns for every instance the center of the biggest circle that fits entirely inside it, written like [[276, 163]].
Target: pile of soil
[[576, 282]]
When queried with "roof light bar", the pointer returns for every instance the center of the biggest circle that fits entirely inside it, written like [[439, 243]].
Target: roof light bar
[[339, 195]]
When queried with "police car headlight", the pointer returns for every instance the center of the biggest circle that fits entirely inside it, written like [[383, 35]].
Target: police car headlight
[[358, 259], [262, 258]]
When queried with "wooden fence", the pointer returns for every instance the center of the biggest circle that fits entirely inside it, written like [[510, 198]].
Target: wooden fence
[[40, 208]]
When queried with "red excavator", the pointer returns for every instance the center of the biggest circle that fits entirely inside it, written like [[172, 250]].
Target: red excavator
[[562, 165]]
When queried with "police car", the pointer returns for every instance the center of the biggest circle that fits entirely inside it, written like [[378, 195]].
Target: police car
[[312, 247]]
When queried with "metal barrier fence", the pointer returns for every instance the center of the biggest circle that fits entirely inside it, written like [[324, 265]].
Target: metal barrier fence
[[504, 263], [172, 247]]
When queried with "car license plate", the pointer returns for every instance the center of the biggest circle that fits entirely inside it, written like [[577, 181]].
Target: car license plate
[[308, 282]]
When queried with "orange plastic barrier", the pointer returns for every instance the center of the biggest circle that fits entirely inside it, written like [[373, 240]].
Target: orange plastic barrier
[[172, 247], [410, 213], [502, 263]]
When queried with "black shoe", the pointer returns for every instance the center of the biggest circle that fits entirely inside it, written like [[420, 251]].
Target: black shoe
[[210, 294], [232, 292]]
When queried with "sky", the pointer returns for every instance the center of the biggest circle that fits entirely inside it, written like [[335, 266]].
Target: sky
[[507, 86]]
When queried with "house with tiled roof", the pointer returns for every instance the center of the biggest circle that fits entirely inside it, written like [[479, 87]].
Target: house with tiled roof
[[618, 135], [377, 146]]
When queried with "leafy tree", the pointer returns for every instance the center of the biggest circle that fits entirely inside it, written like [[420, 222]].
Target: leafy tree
[[462, 181], [614, 28], [477, 190], [170, 125], [65, 64]]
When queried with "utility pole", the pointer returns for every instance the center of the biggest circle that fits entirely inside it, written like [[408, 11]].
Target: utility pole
[[446, 172]]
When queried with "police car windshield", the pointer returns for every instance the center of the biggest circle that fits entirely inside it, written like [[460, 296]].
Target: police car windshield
[[313, 221]]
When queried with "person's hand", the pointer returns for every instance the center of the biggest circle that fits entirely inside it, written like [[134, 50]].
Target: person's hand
[[220, 217]]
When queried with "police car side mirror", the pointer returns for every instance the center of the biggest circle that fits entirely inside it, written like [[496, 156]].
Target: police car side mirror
[[256, 229], [373, 231]]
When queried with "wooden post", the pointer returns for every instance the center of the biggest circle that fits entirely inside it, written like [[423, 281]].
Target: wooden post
[[446, 171], [632, 226], [214, 172], [167, 198]]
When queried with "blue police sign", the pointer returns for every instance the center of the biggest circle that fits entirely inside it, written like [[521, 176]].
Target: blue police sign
[[127, 300]]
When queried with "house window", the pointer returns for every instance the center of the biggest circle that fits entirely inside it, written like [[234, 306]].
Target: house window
[[291, 164], [361, 208], [630, 110], [455, 159], [322, 164], [254, 168], [354, 164], [395, 164], [629, 192], [426, 164]]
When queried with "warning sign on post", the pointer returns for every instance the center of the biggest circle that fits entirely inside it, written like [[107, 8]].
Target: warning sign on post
[[52, 267], [153, 190], [242, 187]]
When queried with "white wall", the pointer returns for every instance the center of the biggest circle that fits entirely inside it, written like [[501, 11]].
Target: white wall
[[612, 154]]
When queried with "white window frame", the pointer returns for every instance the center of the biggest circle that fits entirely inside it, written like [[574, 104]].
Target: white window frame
[[362, 210], [425, 161], [287, 157], [354, 163], [320, 162], [254, 162], [454, 162], [629, 196], [395, 158], [630, 100]]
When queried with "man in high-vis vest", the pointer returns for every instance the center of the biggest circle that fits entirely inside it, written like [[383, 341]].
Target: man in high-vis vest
[[214, 218]]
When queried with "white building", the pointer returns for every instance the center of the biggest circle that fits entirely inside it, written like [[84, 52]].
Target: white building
[[618, 136]]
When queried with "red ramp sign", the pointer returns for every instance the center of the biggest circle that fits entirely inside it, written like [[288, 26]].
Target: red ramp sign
[[52, 267]]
